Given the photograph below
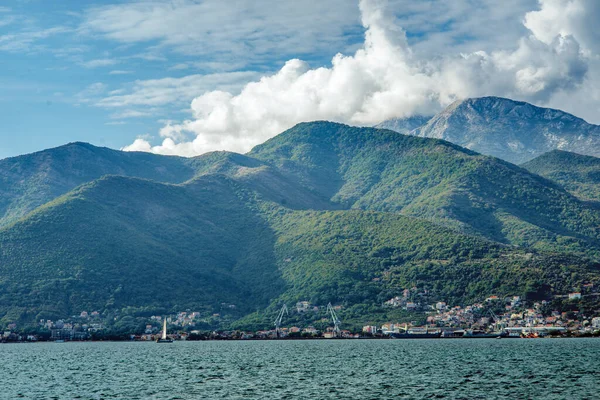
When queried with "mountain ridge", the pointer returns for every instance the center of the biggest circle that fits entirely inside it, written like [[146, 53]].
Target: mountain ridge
[[381, 170], [579, 174], [31, 180], [515, 131], [323, 211]]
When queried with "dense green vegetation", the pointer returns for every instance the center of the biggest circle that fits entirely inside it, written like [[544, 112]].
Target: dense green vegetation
[[261, 178], [31, 180], [577, 173], [323, 212], [123, 242], [361, 259], [382, 170]]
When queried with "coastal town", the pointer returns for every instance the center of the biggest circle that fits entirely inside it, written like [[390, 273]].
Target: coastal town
[[496, 316]]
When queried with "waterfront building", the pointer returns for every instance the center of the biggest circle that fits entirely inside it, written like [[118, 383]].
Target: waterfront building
[[372, 329], [62, 334]]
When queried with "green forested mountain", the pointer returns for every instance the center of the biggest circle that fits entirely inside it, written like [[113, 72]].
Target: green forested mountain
[[140, 247], [323, 212], [262, 178], [577, 173], [355, 256], [363, 258], [126, 242], [381, 170], [31, 180]]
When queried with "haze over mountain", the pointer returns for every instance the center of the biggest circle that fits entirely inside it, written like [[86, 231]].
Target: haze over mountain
[[511, 130], [322, 212]]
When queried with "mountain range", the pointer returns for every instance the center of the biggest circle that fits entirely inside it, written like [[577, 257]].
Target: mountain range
[[323, 212], [514, 131]]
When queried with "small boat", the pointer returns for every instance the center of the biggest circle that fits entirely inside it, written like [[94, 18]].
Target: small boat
[[164, 338]]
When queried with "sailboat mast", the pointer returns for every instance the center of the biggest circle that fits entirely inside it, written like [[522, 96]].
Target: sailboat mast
[[164, 333]]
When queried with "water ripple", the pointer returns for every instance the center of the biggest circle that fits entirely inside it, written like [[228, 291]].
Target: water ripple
[[365, 369]]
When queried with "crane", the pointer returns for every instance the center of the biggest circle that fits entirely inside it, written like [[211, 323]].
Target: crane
[[282, 312], [335, 319], [497, 324]]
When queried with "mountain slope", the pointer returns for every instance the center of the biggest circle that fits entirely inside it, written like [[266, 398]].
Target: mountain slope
[[261, 178], [577, 173], [123, 242], [511, 130], [31, 180], [126, 246], [382, 170], [362, 258], [322, 212]]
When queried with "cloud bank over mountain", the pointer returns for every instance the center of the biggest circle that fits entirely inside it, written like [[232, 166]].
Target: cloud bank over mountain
[[385, 78]]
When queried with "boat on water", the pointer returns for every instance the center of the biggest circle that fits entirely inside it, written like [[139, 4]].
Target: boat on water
[[164, 338], [416, 334], [474, 334]]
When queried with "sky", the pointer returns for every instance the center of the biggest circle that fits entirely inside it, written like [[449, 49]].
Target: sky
[[184, 77]]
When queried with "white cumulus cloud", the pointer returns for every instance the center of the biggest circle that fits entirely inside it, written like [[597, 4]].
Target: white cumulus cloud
[[577, 18], [382, 79]]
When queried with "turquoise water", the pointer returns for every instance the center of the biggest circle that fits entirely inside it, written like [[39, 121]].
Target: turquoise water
[[318, 369]]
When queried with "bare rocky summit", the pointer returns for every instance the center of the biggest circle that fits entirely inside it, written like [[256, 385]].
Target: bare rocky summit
[[514, 131]]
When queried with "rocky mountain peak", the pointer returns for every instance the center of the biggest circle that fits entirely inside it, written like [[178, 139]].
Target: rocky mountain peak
[[515, 131]]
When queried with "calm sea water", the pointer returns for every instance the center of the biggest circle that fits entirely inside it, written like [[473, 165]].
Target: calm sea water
[[335, 369]]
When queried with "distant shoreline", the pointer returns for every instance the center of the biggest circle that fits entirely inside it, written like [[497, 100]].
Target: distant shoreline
[[302, 339]]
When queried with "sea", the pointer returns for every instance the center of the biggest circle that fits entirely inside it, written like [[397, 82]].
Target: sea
[[304, 369]]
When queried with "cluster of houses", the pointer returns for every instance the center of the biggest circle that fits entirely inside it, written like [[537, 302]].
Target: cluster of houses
[[513, 314], [516, 317], [182, 319], [79, 328]]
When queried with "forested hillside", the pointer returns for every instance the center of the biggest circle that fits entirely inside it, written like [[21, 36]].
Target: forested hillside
[[323, 212], [579, 174], [28, 181], [381, 170]]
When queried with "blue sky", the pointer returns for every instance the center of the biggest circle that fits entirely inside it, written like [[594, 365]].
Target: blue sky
[[54, 69], [188, 76]]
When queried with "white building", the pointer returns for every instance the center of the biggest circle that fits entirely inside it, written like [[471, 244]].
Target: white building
[[302, 306]]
